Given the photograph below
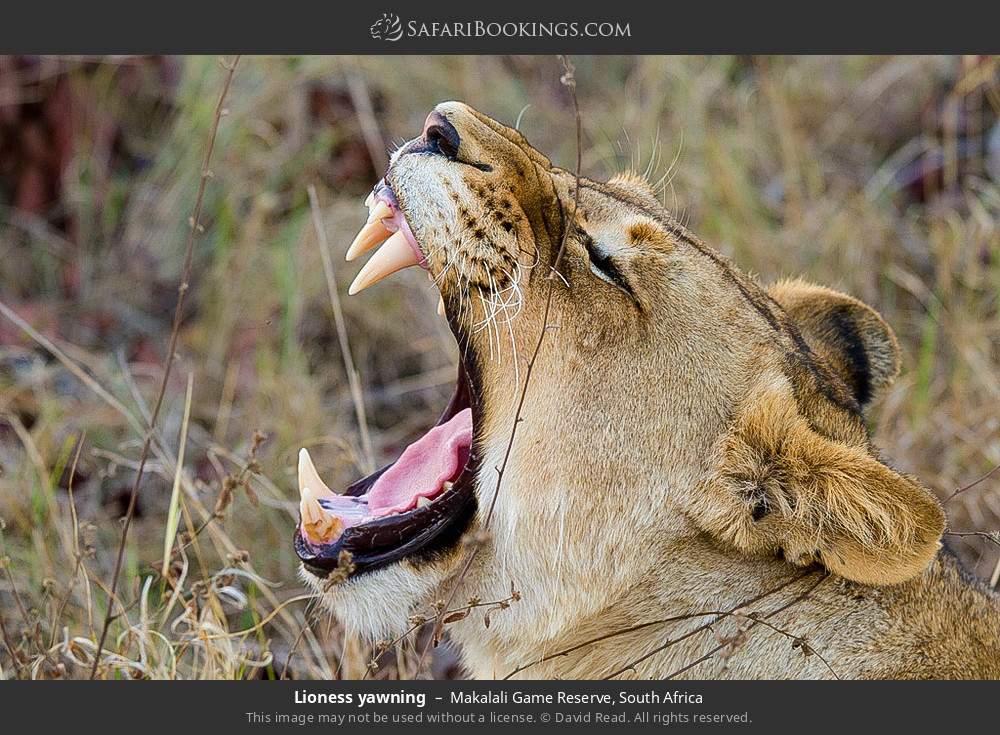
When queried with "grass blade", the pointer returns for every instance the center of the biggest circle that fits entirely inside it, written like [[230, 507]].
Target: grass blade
[[173, 515]]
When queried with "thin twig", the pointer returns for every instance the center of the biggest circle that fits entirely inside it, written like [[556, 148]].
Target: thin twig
[[15, 656], [796, 641], [992, 536], [448, 616], [169, 360], [661, 621], [353, 379], [569, 80], [25, 618], [615, 634], [362, 100], [309, 616], [760, 621], [81, 374], [708, 626], [971, 485]]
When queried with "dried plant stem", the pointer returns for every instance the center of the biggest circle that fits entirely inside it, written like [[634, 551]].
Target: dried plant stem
[[992, 537], [175, 492], [795, 639], [755, 623], [195, 228], [362, 100], [448, 616], [353, 379], [71, 366], [261, 623], [25, 618], [973, 484], [631, 666], [309, 617], [35, 456], [77, 556], [661, 621], [9, 644]]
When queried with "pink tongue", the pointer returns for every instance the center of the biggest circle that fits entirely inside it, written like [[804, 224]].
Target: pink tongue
[[423, 467]]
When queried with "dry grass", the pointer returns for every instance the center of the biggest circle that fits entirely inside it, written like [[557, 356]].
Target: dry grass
[[870, 175]]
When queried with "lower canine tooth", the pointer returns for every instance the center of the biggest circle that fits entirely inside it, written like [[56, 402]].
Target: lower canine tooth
[[318, 526]]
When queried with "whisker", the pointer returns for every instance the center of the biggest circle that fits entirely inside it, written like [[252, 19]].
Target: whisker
[[520, 115]]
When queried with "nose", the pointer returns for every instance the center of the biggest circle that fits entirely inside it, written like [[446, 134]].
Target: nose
[[440, 135]]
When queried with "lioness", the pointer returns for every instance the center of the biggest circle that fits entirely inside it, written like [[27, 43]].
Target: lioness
[[690, 447]]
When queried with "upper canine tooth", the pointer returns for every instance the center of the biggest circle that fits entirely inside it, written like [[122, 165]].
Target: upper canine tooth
[[394, 255], [448, 485], [381, 211], [423, 501], [310, 484], [441, 311], [370, 199], [371, 235]]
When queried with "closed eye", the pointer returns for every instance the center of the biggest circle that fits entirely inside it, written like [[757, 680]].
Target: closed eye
[[602, 265]]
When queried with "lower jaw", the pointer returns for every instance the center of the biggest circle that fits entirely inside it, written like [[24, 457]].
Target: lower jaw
[[419, 535], [365, 554]]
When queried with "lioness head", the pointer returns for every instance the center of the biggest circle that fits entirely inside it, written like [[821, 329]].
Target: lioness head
[[620, 386]]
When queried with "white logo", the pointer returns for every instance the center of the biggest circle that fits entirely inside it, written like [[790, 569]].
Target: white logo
[[387, 28]]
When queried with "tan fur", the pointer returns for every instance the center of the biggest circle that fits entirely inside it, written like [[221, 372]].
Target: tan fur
[[687, 443], [821, 500], [824, 315]]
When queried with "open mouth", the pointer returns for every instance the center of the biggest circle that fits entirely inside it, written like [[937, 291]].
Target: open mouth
[[423, 501]]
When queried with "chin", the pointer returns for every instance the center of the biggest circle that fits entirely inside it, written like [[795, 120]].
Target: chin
[[378, 604]]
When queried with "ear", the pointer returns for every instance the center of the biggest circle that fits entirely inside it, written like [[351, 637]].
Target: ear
[[784, 488], [632, 182], [850, 335]]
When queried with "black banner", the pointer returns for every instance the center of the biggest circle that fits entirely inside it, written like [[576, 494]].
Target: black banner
[[444, 707], [449, 27]]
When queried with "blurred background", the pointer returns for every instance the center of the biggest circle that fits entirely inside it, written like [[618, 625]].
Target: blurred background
[[876, 176]]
